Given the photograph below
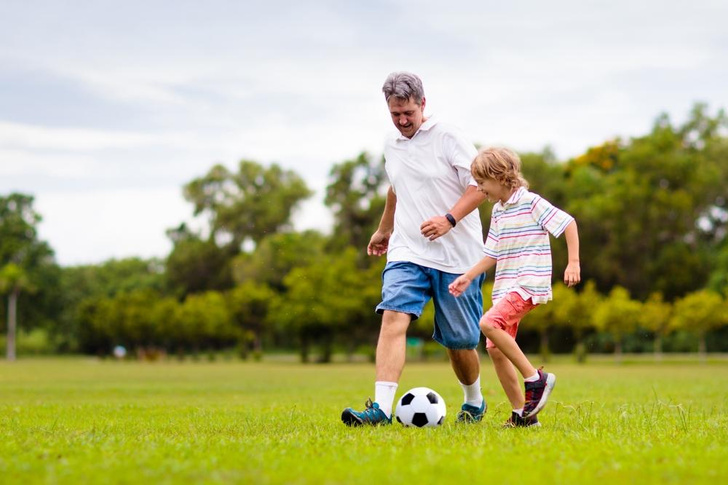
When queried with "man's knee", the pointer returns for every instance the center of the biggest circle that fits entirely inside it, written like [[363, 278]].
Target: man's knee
[[395, 323]]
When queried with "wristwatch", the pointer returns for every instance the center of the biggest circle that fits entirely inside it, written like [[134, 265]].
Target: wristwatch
[[451, 219]]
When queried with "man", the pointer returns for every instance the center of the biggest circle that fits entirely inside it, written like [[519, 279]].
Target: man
[[431, 233]]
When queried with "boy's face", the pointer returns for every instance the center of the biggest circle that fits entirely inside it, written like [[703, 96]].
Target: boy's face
[[494, 191], [407, 115]]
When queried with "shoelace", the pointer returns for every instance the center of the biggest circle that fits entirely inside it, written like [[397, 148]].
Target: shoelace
[[370, 411]]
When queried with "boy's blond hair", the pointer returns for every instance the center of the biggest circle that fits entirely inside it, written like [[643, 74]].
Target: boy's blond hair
[[499, 164]]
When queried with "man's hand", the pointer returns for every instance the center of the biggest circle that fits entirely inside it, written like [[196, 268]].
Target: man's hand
[[378, 244], [435, 227]]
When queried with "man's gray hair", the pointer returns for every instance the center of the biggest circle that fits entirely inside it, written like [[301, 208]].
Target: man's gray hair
[[404, 85]]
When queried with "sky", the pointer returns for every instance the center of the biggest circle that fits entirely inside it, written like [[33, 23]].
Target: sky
[[107, 108]]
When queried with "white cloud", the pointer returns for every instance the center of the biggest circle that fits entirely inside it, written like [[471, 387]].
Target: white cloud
[[134, 95], [91, 227]]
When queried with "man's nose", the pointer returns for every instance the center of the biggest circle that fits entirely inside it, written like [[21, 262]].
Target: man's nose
[[402, 120]]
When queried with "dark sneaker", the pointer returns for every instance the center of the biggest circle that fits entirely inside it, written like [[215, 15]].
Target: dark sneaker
[[537, 393], [516, 421], [471, 414], [372, 416]]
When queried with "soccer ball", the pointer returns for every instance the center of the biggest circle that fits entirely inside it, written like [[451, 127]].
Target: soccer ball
[[421, 407]]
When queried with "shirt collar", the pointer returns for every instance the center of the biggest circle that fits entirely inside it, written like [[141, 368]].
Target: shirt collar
[[514, 198], [426, 126]]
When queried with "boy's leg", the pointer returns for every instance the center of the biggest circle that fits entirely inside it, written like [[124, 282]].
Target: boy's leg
[[508, 346], [508, 378], [499, 325]]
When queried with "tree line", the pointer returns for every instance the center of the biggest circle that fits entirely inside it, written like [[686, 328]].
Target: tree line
[[653, 221]]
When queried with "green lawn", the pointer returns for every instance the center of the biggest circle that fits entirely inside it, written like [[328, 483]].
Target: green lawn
[[87, 421]]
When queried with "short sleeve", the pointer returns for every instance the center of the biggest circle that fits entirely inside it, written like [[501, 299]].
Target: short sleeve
[[551, 218]]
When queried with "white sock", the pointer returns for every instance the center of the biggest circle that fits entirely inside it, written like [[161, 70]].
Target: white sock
[[473, 395], [519, 412], [533, 378], [384, 395]]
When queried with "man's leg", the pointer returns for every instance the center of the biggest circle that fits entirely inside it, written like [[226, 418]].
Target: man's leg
[[392, 346], [466, 364], [391, 352]]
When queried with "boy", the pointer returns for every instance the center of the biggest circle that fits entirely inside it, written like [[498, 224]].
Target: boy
[[518, 244]]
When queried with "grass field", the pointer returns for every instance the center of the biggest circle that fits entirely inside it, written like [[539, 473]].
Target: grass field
[[88, 421]]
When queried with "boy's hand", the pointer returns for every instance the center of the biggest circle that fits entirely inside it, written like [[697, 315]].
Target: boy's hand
[[572, 275], [458, 286]]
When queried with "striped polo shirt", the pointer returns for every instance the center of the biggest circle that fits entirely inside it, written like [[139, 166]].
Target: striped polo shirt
[[519, 241]]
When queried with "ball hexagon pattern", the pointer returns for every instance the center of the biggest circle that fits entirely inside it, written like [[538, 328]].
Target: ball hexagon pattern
[[421, 407]]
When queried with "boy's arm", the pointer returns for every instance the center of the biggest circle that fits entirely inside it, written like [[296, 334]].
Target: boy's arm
[[458, 286], [572, 275], [379, 241], [439, 225]]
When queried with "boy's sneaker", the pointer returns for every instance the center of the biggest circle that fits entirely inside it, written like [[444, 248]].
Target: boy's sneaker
[[537, 393], [516, 421], [471, 414], [372, 416]]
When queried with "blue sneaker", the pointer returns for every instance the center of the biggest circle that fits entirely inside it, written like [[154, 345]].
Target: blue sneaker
[[471, 414], [372, 416], [537, 393]]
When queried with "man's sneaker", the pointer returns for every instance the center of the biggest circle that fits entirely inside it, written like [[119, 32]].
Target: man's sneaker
[[471, 414], [537, 393], [516, 421], [372, 415]]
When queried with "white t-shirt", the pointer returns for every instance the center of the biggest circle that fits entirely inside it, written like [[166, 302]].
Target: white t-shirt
[[429, 173]]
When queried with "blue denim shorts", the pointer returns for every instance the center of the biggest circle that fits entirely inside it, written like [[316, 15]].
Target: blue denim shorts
[[407, 287]]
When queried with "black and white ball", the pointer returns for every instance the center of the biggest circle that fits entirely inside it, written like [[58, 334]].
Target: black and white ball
[[421, 407]]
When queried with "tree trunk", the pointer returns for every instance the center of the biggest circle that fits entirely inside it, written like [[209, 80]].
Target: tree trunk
[[304, 349], [12, 324], [658, 347], [545, 353], [579, 348], [618, 351]]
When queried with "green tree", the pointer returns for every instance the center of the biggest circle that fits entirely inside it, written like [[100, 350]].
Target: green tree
[[325, 299], [13, 281], [249, 304], [108, 279], [655, 316], [699, 313], [356, 194], [544, 317], [576, 311], [617, 315], [644, 206], [196, 265], [276, 256], [26, 264], [248, 204]]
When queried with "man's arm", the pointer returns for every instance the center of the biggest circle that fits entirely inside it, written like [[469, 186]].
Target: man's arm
[[439, 225], [379, 241]]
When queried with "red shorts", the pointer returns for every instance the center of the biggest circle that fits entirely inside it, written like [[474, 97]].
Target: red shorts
[[506, 315]]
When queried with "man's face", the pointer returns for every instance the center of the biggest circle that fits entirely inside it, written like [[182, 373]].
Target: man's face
[[407, 115]]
